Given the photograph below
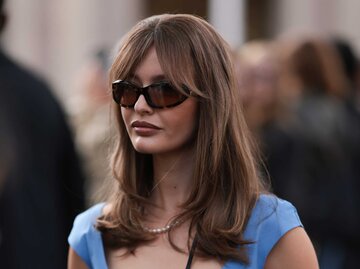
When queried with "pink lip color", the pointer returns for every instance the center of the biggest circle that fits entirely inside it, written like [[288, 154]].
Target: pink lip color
[[143, 128]]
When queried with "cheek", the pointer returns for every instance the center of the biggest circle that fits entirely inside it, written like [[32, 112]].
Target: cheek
[[185, 121]]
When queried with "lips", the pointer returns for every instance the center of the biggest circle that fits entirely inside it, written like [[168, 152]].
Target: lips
[[144, 129], [143, 124]]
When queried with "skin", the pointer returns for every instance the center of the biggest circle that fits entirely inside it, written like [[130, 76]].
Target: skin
[[169, 144], [176, 125], [173, 155], [74, 261], [294, 250]]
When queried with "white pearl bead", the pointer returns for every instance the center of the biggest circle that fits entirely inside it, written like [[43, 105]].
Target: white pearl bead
[[163, 229]]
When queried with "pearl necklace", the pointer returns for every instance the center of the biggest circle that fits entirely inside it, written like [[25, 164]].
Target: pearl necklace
[[163, 229]]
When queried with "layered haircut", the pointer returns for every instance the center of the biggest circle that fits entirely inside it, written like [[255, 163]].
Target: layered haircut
[[226, 184]]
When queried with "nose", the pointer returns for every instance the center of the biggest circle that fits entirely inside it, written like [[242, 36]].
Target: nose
[[141, 106]]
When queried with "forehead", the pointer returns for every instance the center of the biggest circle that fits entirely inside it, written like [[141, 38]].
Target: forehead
[[149, 68]]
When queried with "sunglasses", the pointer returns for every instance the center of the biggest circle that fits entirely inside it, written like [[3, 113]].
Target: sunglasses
[[157, 95]]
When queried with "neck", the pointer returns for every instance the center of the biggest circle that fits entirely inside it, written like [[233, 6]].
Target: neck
[[172, 180]]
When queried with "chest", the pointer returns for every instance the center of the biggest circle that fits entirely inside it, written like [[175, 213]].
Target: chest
[[157, 255]]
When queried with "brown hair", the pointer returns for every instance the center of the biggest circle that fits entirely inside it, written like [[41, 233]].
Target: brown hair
[[225, 182]]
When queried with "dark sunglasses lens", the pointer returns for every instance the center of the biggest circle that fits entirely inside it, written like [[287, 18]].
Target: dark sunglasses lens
[[124, 94], [165, 95]]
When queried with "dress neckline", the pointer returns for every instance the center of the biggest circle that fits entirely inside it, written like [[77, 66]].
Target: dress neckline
[[102, 248]]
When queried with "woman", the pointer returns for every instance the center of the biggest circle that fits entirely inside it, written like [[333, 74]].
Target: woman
[[188, 193]]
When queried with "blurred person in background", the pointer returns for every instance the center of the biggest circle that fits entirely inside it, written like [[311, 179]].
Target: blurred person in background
[[6, 145], [42, 181], [257, 70], [351, 65], [89, 110], [321, 178], [295, 94]]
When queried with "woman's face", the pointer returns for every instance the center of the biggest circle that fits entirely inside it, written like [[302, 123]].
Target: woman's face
[[153, 130]]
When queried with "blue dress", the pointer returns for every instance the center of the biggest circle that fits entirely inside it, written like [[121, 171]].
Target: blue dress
[[270, 219]]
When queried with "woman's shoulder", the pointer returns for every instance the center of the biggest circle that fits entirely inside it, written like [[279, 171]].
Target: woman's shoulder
[[84, 238], [88, 218], [85, 222], [270, 219], [271, 210], [270, 202]]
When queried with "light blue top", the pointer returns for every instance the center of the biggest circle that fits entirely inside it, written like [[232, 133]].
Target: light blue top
[[270, 219]]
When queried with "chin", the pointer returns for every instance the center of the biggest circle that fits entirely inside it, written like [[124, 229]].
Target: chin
[[157, 146], [145, 149], [151, 149]]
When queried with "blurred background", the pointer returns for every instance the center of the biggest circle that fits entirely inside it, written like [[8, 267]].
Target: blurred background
[[297, 68], [56, 38]]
